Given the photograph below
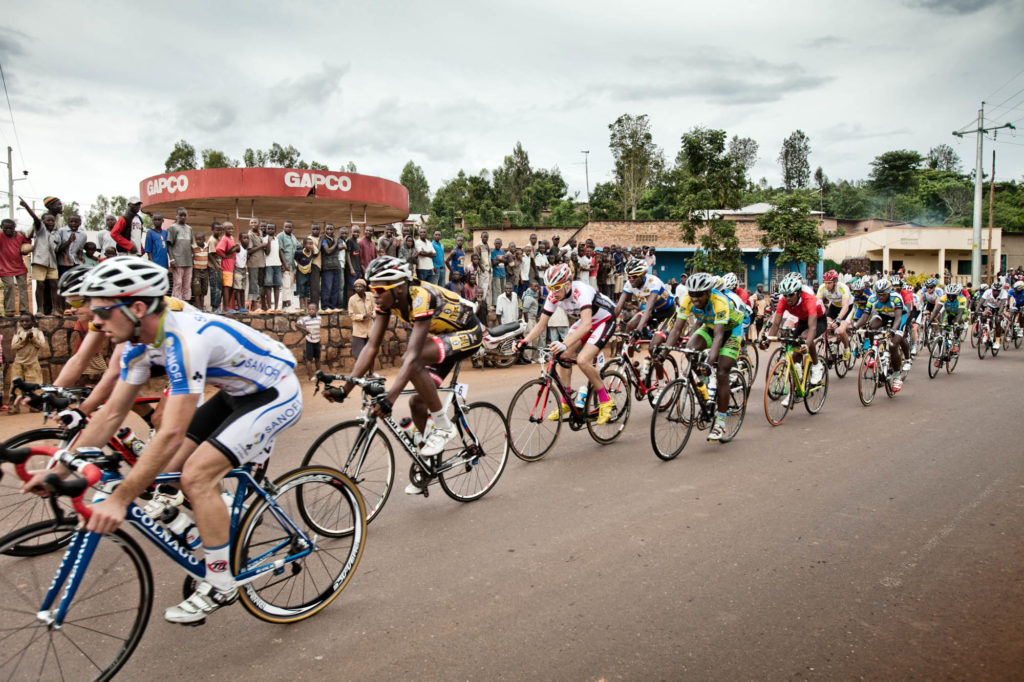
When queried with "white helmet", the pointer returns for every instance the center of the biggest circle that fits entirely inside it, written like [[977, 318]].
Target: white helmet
[[953, 289], [388, 269], [882, 286], [791, 284], [1019, 284], [700, 281], [730, 281], [125, 277], [636, 267]]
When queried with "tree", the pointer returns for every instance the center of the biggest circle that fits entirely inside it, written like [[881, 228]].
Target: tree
[[214, 158], [719, 249], [545, 188], [796, 170], [419, 191], [316, 165], [637, 158], [181, 158], [789, 226], [95, 218], [284, 157], [514, 176], [847, 200], [744, 150], [254, 158], [821, 182], [895, 172], [943, 158]]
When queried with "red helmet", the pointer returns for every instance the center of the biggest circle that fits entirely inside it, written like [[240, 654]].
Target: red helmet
[[831, 276], [558, 275]]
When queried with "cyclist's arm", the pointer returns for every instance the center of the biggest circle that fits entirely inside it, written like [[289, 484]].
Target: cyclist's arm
[[369, 354], [106, 384], [845, 308], [645, 317], [77, 363], [621, 304], [583, 330]]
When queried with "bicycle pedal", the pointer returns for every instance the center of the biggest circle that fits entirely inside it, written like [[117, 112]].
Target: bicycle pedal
[[193, 624]]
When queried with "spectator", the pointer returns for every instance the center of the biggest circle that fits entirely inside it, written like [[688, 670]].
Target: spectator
[[512, 266], [103, 238], [179, 251], [70, 243], [483, 267], [240, 285], [681, 290], [97, 366], [351, 262], [455, 261], [367, 252], [361, 308], [424, 258], [531, 304], [109, 252], [14, 274], [331, 271], [558, 325], [439, 269], [507, 305], [303, 267], [469, 288], [44, 259], [156, 241], [226, 249], [26, 344], [128, 231], [288, 245], [200, 285], [407, 251], [314, 269], [310, 325], [455, 284], [594, 266], [3, 408], [90, 255], [540, 263], [215, 264], [498, 272], [387, 245], [272, 275], [256, 264]]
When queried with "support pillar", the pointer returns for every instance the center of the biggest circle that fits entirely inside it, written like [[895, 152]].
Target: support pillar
[[942, 265], [803, 270], [886, 260], [821, 264], [766, 271]]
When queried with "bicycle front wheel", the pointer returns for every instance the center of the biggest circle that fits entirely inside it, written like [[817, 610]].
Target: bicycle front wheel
[[373, 474], [18, 511], [327, 507], [672, 419], [618, 390], [104, 624], [982, 343], [867, 377], [935, 350], [532, 433], [951, 359], [663, 373], [778, 393], [482, 449], [814, 400], [737, 405]]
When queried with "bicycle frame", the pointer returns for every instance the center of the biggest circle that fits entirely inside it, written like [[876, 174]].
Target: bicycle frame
[[799, 380], [84, 543], [576, 416]]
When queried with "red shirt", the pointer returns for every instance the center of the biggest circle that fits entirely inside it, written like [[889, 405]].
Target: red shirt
[[809, 305], [908, 299], [743, 294], [11, 262], [228, 262]]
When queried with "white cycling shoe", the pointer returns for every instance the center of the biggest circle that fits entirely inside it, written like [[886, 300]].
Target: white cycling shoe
[[817, 372], [204, 601], [435, 442]]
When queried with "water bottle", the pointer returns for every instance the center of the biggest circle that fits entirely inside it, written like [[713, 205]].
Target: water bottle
[[646, 366], [410, 430], [130, 440], [581, 396], [179, 522], [712, 385], [702, 389]]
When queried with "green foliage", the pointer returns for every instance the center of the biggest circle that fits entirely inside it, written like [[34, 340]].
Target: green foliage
[[181, 158], [419, 191], [95, 218], [796, 170], [214, 158], [895, 172], [606, 202], [789, 226], [847, 200], [943, 158], [513, 177], [637, 158], [719, 249], [565, 213]]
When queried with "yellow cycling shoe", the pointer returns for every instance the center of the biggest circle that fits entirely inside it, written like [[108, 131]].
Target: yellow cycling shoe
[[604, 411], [553, 417]]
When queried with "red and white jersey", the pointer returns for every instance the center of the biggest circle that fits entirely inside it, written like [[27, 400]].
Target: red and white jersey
[[581, 296]]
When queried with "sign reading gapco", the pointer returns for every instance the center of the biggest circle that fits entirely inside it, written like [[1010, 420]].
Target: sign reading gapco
[[328, 180], [167, 183]]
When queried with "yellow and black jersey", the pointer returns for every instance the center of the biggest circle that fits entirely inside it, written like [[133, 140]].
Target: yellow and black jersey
[[446, 310]]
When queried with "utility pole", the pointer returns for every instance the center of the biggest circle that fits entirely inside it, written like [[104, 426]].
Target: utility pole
[[586, 174], [10, 185], [976, 233], [991, 206]]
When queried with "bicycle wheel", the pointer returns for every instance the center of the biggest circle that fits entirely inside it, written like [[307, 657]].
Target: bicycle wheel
[[18, 511], [665, 373], [991, 344], [982, 342], [750, 350], [975, 334], [842, 366], [618, 390], [374, 475], [935, 358], [951, 360], [1018, 338], [867, 377], [772, 360], [328, 508], [532, 433], [482, 449], [815, 398], [737, 405], [672, 419], [778, 393], [104, 624]]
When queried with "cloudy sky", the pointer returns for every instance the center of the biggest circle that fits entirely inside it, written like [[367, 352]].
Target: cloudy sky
[[101, 91]]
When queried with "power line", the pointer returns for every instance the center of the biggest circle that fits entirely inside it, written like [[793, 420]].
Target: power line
[[3, 78], [1000, 105], [1004, 85]]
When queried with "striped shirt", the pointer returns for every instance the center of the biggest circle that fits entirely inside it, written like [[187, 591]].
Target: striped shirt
[[311, 323]]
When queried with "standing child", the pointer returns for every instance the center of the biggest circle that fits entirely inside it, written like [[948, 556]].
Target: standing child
[[242, 296], [310, 324], [26, 344]]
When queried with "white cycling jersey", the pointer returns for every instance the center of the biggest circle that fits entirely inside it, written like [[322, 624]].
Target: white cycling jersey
[[990, 301], [579, 297], [834, 297]]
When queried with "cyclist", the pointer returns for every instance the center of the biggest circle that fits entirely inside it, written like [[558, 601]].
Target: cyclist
[[993, 302], [259, 396], [927, 299], [1017, 301], [885, 309], [798, 300], [656, 301], [729, 285], [837, 297], [445, 329], [590, 333], [954, 303], [720, 331]]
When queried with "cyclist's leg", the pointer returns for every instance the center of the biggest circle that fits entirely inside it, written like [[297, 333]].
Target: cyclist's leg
[[726, 361], [449, 349]]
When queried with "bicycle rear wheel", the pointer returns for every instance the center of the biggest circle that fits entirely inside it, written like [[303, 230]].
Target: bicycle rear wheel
[[665, 373], [814, 400], [672, 419], [867, 377], [482, 449], [374, 476], [745, 368], [18, 511], [737, 405], [618, 390], [532, 433], [750, 350], [778, 393], [104, 624], [951, 359], [982, 342], [328, 508]]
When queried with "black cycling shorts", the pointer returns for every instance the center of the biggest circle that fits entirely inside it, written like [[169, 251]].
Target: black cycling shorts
[[452, 347], [802, 326]]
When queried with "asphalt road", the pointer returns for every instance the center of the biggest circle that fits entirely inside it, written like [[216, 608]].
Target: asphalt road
[[879, 543]]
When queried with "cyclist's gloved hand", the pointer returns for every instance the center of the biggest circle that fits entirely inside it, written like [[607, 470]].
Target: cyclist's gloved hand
[[382, 405], [73, 419], [703, 369], [335, 394]]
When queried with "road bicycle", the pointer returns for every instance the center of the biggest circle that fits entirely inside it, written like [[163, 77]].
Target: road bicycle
[[688, 402], [874, 367], [529, 413], [468, 468], [985, 336], [944, 349], [295, 545], [831, 350], [789, 381], [644, 380]]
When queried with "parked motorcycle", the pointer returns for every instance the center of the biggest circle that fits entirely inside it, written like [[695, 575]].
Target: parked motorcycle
[[500, 344]]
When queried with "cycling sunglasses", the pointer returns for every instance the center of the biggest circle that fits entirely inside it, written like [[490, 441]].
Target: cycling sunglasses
[[105, 311], [376, 290], [75, 304], [558, 287]]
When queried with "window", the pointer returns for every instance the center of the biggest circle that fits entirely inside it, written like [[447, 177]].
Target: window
[[963, 267]]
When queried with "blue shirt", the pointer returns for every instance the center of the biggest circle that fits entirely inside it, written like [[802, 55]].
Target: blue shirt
[[156, 246], [438, 255], [498, 270], [458, 263]]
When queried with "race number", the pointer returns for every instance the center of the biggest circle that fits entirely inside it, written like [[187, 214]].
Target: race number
[[462, 390]]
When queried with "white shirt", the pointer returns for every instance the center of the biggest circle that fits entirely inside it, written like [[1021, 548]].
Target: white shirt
[[274, 257], [424, 262], [584, 275], [681, 291], [507, 309], [581, 296]]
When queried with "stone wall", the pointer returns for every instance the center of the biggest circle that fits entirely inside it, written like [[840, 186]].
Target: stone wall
[[336, 341]]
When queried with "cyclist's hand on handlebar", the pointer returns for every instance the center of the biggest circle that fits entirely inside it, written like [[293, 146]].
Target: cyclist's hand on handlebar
[[335, 394], [35, 486], [557, 347], [73, 419], [107, 515]]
